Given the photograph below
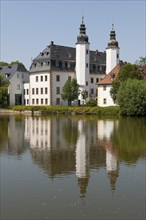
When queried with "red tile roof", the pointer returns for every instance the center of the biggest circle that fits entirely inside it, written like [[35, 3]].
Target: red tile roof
[[108, 79]]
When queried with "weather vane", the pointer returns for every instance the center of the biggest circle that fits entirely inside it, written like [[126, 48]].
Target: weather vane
[[82, 19]]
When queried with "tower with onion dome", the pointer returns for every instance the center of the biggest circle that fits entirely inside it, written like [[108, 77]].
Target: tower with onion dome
[[112, 52], [82, 61]]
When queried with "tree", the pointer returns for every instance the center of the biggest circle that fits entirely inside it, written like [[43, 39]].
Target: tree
[[127, 71], [84, 94], [131, 97], [70, 91], [4, 63], [3, 91], [141, 61], [21, 65]]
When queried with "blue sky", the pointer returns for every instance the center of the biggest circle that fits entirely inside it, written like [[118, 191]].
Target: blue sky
[[27, 27]]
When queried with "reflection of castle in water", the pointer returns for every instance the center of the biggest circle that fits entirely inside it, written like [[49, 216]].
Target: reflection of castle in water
[[14, 144], [105, 129], [62, 145]]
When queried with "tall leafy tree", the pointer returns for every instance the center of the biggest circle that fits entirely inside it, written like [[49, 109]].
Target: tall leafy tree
[[3, 91], [127, 71], [141, 61], [131, 97], [70, 91]]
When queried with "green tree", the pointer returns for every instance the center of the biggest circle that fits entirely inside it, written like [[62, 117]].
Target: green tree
[[127, 71], [70, 91], [21, 65], [131, 97], [2, 63], [3, 91], [141, 61], [84, 94]]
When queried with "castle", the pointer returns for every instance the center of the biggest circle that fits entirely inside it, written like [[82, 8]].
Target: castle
[[56, 64]]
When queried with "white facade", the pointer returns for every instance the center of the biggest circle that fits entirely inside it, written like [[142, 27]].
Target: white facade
[[82, 68], [104, 98], [58, 79], [112, 58], [39, 89], [16, 88]]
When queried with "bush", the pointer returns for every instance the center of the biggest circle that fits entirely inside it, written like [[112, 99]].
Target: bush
[[131, 98], [91, 103]]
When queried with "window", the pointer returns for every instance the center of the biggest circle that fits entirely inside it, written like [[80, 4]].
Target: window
[[104, 87], [33, 101], [24, 91], [87, 51], [57, 63], [27, 91], [37, 101], [41, 101], [58, 101], [86, 65], [41, 90], [68, 65], [27, 101], [36, 78], [37, 91], [17, 75], [58, 90], [97, 80], [45, 77], [41, 78], [18, 86], [46, 101], [32, 91], [58, 78], [117, 55], [104, 101], [92, 91], [92, 80], [69, 77], [86, 83], [46, 90]]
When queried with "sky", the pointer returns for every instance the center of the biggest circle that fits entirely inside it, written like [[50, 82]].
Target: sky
[[27, 27]]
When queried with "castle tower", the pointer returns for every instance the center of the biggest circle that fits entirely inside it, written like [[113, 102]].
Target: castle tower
[[82, 60], [112, 52]]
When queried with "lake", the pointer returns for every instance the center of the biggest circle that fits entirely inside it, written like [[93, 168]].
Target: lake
[[72, 167]]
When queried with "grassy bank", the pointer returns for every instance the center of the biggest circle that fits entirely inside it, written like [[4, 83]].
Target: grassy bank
[[69, 110]]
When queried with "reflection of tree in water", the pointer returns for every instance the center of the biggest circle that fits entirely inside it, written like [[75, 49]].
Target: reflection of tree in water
[[70, 131], [3, 131], [130, 139]]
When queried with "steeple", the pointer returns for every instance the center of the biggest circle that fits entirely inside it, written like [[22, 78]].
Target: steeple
[[112, 51], [112, 42], [82, 37]]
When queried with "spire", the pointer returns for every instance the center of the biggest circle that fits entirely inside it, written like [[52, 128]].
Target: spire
[[82, 37], [112, 42]]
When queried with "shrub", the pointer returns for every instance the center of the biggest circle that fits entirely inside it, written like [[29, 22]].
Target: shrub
[[91, 103]]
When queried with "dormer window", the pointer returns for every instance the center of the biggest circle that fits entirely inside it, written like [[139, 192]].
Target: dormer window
[[112, 75], [68, 65], [69, 55]]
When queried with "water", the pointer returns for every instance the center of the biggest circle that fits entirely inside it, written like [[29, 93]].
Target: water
[[61, 167]]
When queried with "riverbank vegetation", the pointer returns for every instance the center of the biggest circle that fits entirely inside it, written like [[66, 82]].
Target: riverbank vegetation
[[113, 110]]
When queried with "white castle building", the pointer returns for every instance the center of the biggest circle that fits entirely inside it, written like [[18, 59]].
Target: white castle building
[[56, 64], [49, 71]]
